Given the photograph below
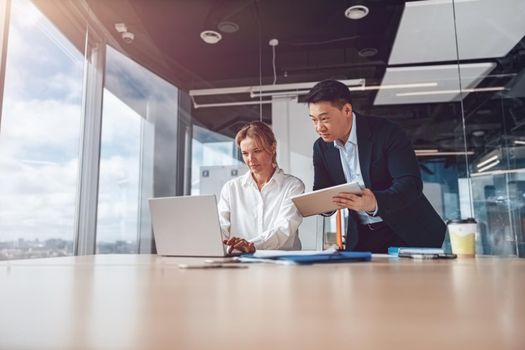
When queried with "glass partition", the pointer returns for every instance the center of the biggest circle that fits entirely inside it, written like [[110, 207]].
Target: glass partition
[[215, 158], [214, 161], [494, 119]]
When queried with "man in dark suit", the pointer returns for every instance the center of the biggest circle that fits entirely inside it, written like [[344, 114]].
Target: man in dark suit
[[392, 210]]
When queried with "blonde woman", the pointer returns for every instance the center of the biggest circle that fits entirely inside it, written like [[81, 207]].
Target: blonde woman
[[255, 209]]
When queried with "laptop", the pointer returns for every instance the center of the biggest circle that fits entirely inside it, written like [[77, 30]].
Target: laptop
[[187, 226]]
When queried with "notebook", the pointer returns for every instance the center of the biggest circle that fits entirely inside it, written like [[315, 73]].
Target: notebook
[[307, 257], [187, 226]]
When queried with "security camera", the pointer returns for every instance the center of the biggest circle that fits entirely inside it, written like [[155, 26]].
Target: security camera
[[128, 37]]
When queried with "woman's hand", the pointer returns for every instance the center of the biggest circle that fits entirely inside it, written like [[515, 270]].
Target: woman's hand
[[240, 244]]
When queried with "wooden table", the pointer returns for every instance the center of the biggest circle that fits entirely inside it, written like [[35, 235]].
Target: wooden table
[[147, 302]]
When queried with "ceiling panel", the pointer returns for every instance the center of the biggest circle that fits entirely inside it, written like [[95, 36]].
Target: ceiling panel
[[486, 29], [430, 84]]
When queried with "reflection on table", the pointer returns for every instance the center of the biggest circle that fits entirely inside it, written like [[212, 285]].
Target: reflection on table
[[147, 302]]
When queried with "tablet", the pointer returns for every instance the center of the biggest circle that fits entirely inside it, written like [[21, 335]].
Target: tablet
[[320, 201]]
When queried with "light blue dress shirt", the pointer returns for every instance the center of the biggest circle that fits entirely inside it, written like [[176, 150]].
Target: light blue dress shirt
[[350, 161]]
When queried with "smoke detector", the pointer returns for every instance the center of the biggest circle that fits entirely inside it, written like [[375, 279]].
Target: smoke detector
[[367, 52], [128, 37], [356, 12], [228, 27], [211, 36]]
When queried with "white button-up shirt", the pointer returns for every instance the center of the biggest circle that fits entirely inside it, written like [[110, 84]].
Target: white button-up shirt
[[349, 154], [268, 218]]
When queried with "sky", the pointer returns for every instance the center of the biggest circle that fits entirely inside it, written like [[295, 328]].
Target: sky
[[40, 136], [41, 129]]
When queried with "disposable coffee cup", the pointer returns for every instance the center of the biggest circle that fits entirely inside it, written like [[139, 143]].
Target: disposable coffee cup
[[462, 233]]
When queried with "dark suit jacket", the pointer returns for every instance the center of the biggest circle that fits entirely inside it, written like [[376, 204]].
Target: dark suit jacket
[[390, 169]]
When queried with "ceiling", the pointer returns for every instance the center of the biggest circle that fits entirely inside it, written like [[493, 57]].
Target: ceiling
[[414, 43], [314, 37]]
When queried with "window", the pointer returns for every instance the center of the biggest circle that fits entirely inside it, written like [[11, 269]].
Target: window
[[213, 161], [135, 101], [39, 137]]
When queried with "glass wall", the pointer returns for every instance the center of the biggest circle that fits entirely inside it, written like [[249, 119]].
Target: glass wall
[[461, 100], [41, 132], [494, 116], [119, 190], [136, 102], [39, 137]]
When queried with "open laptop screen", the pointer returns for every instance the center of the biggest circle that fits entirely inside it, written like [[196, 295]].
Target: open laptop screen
[[186, 226]]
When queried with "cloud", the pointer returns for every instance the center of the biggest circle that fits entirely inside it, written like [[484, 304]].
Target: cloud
[[39, 151], [37, 201], [32, 125], [38, 196]]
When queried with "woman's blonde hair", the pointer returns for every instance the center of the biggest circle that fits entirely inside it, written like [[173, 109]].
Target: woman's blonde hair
[[262, 134]]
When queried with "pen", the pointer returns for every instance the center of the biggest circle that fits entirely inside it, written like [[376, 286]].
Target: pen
[[262, 260], [231, 260], [423, 256], [211, 266]]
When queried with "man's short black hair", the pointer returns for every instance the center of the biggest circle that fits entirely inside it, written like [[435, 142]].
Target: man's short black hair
[[329, 90]]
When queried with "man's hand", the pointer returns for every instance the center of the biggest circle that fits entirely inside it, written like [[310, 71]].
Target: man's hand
[[365, 201], [240, 244]]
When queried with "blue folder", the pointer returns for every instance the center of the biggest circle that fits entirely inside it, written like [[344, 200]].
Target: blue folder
[[320, 258]]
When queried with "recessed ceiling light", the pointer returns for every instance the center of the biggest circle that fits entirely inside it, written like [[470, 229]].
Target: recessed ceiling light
[[367, 52], [228, 27], [356, 12], [211, 36]]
